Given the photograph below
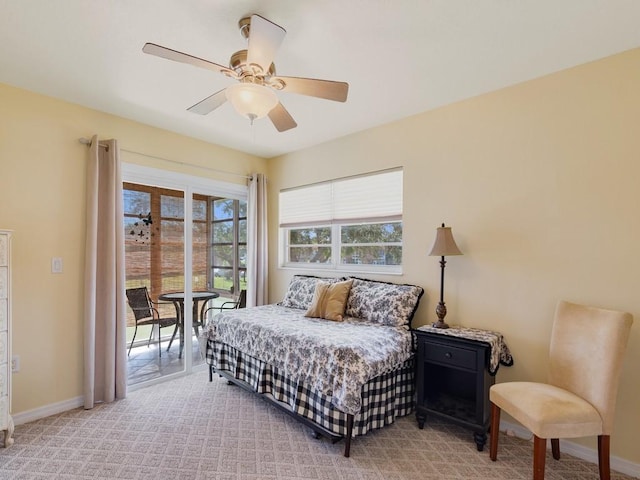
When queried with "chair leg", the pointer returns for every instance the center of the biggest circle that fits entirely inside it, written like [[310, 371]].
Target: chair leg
[[151, 335], [494, 432], [539, 453], [603, 457], [172, 337], [555, 448], [133, 339]]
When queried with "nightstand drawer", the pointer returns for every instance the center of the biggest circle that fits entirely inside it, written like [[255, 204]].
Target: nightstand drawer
[[452, 356]]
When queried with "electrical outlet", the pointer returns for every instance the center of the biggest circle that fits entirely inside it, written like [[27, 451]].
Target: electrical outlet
[[15, 363]]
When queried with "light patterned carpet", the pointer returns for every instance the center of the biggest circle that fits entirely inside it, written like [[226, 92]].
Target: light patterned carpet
[[192, 429]]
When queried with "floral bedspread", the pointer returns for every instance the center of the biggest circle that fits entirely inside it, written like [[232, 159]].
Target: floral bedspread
[[335, 358]]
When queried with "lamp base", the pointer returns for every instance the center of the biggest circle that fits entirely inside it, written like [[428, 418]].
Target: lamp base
[[439, 324], [441, 312]]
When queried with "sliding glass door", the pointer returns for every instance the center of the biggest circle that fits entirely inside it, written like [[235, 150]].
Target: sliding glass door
[[154, 263], [185, 245]]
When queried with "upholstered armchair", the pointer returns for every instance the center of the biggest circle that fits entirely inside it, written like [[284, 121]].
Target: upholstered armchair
[[585, 359]]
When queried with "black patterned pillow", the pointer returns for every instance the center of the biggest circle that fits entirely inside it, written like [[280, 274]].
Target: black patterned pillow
[[301, 290], [388, 304]]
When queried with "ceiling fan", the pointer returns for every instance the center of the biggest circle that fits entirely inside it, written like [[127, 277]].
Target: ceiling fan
[[254, 95]]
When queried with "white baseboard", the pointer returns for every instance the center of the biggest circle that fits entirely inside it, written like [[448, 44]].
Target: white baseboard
[[47, 410], [579, 451]]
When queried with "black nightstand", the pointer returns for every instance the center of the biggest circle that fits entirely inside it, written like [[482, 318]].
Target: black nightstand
[[453, 380]]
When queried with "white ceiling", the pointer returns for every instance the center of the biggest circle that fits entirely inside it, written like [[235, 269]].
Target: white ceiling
[[400, 57]]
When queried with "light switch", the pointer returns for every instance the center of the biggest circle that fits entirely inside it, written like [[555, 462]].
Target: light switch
[[56, 265]]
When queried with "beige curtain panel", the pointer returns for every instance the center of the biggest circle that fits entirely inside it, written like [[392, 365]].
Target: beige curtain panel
[[257, 261], [105, 367]]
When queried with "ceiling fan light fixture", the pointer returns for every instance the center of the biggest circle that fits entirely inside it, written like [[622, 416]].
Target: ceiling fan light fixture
[[251, 100]]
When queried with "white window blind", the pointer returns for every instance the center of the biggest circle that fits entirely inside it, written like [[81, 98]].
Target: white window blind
[[311, 204], [347, 200]]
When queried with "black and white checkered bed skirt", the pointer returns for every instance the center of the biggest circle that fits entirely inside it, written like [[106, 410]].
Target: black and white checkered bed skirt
[[384, 398]]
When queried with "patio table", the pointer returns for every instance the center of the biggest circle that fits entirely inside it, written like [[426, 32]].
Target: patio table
[[178, 301]]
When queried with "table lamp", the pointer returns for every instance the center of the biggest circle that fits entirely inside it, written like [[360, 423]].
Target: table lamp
[[443, 245]]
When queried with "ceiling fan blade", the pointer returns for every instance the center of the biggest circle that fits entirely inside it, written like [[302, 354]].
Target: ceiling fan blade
[[265, 38], [169, 54], [209, 104], [281, 119], [313, 87]]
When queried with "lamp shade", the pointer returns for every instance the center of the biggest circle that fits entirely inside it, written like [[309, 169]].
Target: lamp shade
[[251, 100], [444, 244]]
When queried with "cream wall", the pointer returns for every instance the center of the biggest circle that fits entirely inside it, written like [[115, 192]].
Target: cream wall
[[539, 183], [42, 198]]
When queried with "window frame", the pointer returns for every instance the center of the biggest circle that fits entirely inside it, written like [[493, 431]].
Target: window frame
[[336, 249]]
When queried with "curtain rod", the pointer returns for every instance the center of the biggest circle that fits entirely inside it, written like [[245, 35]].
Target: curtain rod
[[86, 141]]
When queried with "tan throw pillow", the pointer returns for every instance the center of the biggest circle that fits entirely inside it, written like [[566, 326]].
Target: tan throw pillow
[[329, 300]]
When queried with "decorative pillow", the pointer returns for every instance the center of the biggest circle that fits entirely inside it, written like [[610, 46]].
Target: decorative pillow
[[388, 304], [329, 300], [301, 290]]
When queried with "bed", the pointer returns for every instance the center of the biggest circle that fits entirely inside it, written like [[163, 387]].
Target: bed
[[341, 370]]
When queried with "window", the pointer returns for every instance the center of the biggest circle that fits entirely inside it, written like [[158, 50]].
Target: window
[[352, 223]]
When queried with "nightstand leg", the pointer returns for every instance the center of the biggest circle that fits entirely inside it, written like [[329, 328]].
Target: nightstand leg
[[421, 417], [481, 439]]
